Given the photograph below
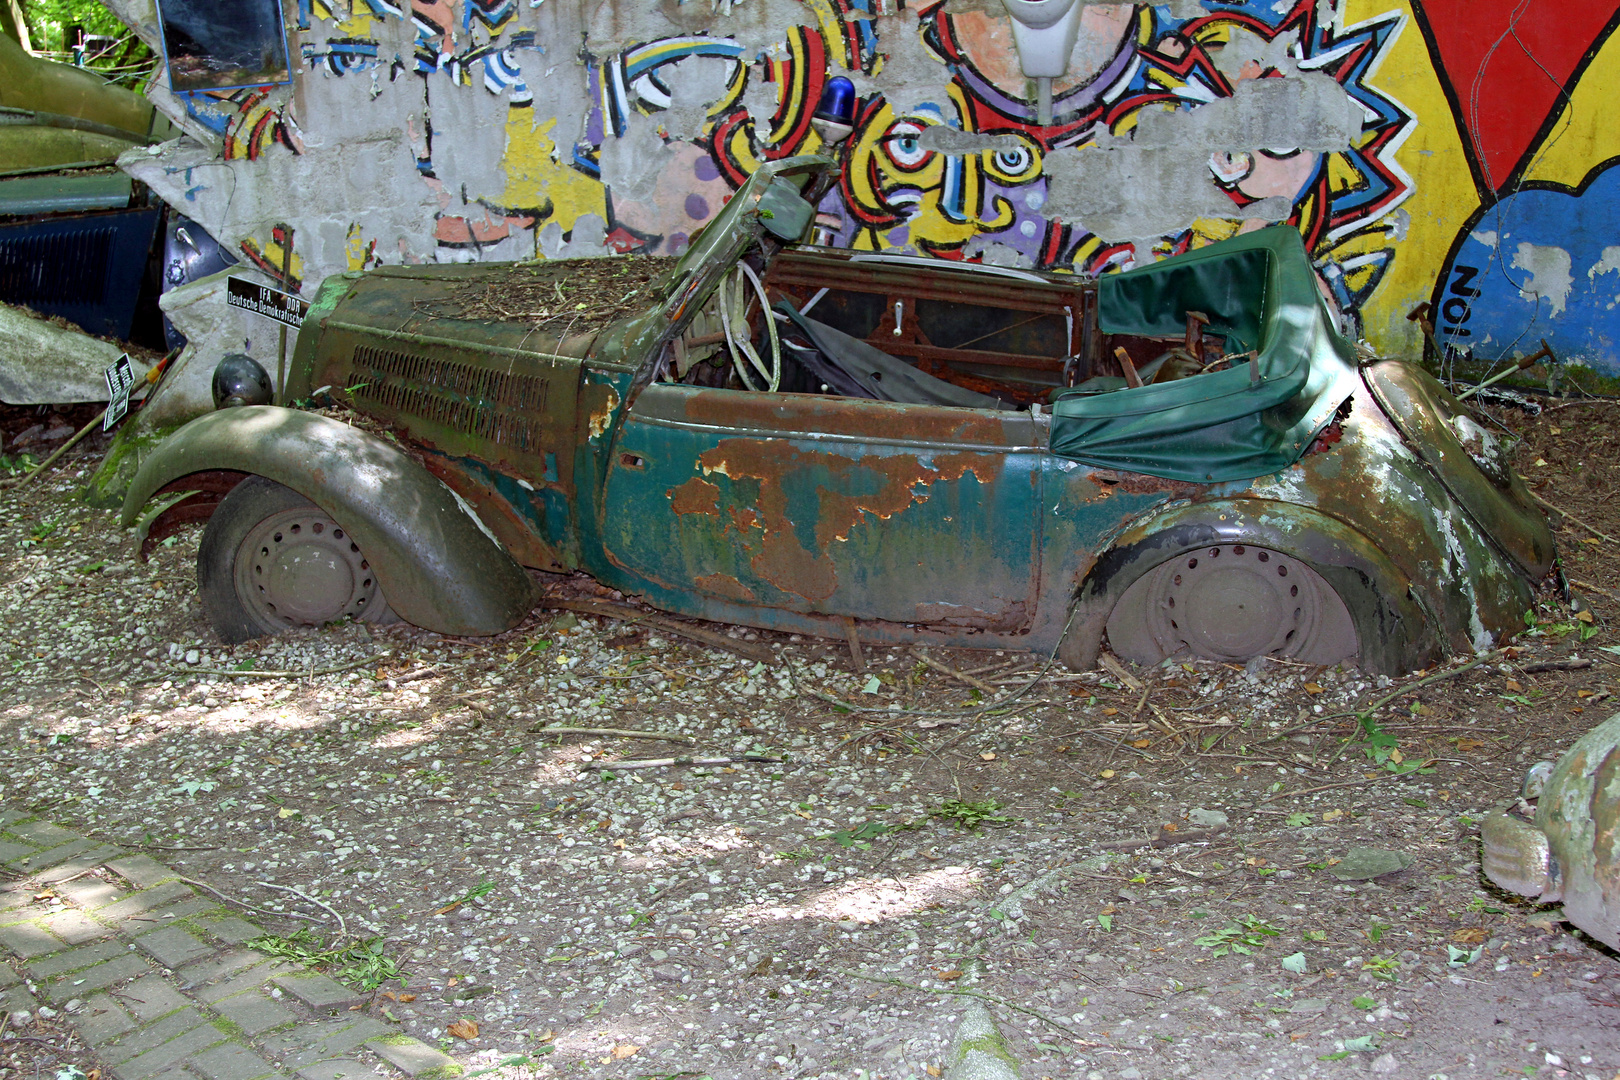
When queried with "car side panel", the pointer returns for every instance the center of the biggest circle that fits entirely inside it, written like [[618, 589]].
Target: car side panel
[[835, 506]]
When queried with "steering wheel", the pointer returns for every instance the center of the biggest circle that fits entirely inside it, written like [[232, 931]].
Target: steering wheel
[[734, 306]]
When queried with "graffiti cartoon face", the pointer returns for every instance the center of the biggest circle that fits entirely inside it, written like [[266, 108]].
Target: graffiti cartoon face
[[921, 180]]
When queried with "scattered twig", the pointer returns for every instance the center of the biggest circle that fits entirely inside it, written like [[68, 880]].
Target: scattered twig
[[665, 762], [624, 613], [959, 676], [1558, 665], [1368, 710], [856, 659], [1567, 516], [1117, 670], [1589, 587], [419, 673], [48, 462], [244, 904], [1344, 784], [343, 930], [1163, 839], [609, 731], [250, 674]]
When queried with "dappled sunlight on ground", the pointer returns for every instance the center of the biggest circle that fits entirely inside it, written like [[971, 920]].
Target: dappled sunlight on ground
[[869, 899]]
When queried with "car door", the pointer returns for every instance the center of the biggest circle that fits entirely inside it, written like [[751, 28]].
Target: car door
[[914, 514]]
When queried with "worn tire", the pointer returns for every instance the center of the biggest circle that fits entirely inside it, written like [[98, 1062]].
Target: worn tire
[[1232, 602], [271, 561]]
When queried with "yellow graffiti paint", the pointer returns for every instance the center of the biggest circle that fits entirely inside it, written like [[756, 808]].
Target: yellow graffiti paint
[[356, 251], [1584, 134], [537, 177], [834, 31], [1443, 196]]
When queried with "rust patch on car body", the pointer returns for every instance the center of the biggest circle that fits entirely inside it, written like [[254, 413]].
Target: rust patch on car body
[[1109, 481], [879, 485], [696, 496], [726, 586], [598, 401]]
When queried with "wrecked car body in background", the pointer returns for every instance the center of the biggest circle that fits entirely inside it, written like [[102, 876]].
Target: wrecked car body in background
[[80, 241], [1561, 841], [1184, 459]]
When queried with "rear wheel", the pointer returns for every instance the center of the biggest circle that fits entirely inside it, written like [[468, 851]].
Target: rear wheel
[[1232, 602], [271, 560]]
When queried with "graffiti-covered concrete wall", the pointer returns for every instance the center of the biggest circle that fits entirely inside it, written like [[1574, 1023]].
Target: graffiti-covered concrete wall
[[1451, 151]]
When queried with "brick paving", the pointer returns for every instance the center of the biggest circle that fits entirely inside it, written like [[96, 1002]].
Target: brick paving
[[153, 976]]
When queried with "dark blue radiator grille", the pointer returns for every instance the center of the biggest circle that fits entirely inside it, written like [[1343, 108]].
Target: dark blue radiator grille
[[86, 269]]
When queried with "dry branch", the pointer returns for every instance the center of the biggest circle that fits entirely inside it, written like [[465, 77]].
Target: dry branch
[[625, 613]]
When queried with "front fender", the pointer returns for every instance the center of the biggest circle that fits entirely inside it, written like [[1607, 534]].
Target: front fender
[[437, 564], [1393, 632]]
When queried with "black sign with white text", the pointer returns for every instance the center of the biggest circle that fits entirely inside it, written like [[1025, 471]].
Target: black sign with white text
[[263, 300]]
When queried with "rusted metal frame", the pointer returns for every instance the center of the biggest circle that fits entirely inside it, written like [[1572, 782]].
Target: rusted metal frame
[[929, 446], [920, 283], [517, 535]]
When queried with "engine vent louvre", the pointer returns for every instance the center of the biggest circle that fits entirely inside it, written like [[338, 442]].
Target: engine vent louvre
[[503, 407]]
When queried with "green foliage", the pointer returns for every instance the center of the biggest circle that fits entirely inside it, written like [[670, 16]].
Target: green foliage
[[16, 466], [48, 22], [360, 963], [972, 815], [46, 18], [1239, 936], [1383, 749], [1386, 968], [859, 835]]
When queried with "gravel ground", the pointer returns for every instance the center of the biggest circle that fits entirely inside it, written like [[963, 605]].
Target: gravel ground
[[814, 916]]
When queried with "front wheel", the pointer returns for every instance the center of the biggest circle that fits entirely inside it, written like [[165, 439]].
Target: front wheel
[[1232, 602], [271, 560]]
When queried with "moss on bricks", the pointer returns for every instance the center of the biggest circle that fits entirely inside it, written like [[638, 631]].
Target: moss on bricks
[[442, 1072], [990, 1043], [230, 1029]]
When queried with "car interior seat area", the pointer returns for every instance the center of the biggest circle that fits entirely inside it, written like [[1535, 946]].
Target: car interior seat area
[[922, 331]]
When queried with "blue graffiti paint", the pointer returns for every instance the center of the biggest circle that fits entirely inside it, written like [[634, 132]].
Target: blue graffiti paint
[[1492, 301]]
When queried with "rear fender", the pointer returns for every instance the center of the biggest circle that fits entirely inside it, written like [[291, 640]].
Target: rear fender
[[437, 563], [1392, 630]]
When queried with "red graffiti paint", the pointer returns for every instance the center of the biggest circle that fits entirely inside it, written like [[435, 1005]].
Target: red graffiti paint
[[1508, 66]]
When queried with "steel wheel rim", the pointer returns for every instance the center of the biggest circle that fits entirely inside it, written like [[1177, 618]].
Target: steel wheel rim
[[1233, 602], [298, 567]]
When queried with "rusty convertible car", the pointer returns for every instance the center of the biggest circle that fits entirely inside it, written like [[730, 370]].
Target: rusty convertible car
[[1184, 459]]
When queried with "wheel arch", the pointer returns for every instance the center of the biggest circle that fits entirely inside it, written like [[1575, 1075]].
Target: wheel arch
[[437, 563], [1393, 632]]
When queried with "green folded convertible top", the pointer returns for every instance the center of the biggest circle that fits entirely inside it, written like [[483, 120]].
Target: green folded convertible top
[[1260, 292]]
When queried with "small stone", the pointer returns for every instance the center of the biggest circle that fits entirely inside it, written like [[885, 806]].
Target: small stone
[[1365, 863], [1384, 1064], [193, 656], [1206, 819]]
